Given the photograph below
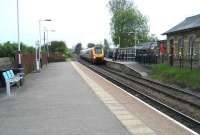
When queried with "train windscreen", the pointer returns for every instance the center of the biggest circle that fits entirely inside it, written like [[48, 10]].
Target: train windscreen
[[98, 50]]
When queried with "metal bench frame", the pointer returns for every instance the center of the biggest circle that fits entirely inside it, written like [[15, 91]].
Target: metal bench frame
[[11, 79]]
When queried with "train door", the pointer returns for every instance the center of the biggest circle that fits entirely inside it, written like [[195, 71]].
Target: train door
[[92, 56], [171, 52]]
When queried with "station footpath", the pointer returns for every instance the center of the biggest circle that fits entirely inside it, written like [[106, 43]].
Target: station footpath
[[68, 99]]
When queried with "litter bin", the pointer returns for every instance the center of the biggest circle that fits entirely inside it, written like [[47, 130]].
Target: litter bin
[[2, 81], [19, 71]]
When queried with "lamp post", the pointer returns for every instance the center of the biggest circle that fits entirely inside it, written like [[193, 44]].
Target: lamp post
[[135, 36], [48, 43], [40, 42], [18, 36], [119, 41], [36, 55]]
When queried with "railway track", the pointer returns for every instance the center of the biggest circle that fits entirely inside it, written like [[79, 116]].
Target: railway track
[[182, 95], [156, 95]]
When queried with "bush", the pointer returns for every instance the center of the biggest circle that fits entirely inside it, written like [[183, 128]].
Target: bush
[[59, 47], [10, 49], [183, 77]]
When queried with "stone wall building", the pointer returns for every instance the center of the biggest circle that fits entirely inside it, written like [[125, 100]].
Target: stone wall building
[[183, 43]]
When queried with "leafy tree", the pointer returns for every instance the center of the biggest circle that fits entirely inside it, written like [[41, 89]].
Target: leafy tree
[[90, 45], [9, 49], [153, 37], [78, 48], [59, 47], [99, 45], [2, 52], [106, 46], [117, 5], [127, 24], [30, 49], [26, 49]]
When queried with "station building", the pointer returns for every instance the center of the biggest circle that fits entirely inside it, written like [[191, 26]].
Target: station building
[[183, 43]]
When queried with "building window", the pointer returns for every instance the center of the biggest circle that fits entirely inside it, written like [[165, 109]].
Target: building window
[[171, 49], [180, 42], [180, 46], [191, 46]]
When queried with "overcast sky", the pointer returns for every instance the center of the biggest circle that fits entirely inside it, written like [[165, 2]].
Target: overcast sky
[[84, 20]]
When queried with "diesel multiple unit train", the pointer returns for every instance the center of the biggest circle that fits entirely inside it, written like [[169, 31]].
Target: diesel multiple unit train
[[143, 52], [95, 54]]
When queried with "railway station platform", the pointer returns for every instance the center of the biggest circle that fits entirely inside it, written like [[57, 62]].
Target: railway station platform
[[68, 99], [140, 69]]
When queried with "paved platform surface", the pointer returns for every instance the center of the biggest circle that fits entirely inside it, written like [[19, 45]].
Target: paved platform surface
[[138, 117], [134, 65], [57, 101]]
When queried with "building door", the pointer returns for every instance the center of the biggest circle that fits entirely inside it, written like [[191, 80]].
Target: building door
[[171, 52]]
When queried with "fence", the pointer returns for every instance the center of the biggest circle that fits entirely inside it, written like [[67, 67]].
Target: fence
[[181, 62], [56, 57], [124, 54], [154, 56], [6, 62], [29, 63]]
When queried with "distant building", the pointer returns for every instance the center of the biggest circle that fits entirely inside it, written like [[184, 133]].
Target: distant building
[[183, 42]]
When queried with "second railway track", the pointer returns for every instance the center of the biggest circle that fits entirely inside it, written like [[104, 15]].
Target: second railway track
[[184, 107], [184, 96]]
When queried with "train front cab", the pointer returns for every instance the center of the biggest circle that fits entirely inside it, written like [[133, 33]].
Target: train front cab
[[98, 55]]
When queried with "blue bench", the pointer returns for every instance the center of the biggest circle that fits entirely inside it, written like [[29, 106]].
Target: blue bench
[[11, 79]]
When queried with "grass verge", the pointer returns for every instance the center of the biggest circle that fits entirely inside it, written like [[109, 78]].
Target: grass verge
[[174, 75]]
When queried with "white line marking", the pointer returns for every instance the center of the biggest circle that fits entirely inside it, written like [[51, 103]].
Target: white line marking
[[161, 113]]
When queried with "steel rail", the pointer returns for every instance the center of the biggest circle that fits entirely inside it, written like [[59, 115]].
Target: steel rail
[[175, 114], [193, 99]]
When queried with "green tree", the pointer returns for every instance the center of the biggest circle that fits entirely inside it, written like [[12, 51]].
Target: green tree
[[9, 49], [78, 48], [30, 49], [26, 48], [90, 45], [59, 47], [127, 23], [106, 46]]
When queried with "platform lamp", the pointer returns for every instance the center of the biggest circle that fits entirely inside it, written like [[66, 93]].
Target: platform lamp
[[18, 37], [40, 38], [135, 37], [48, 43]]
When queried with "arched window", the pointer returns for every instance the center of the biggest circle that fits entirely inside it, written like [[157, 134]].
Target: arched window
[[180, 46], [171, 49], [181, 42], [171, 52], [191, 50]]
